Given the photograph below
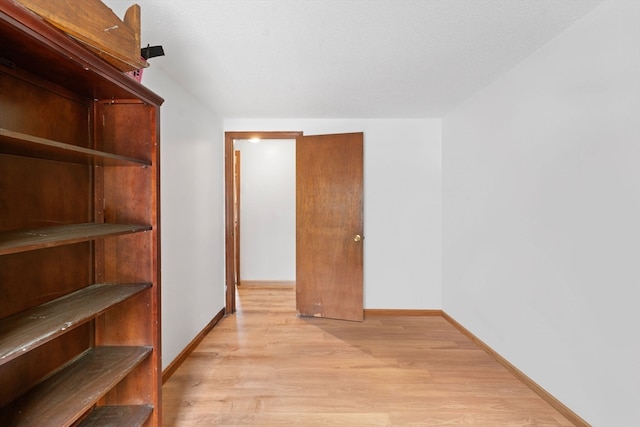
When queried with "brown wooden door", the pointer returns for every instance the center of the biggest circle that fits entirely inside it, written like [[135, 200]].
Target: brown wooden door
[[329, 223]]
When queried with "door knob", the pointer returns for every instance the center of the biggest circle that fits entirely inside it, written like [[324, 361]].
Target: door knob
[[357, 238]]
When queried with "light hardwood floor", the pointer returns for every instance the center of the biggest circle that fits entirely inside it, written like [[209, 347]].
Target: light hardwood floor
[[264, 366]]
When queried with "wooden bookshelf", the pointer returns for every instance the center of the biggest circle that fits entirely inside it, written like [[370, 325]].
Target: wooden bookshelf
[[124, 416], [35, 326], [79, 234], [65, 396], [20, 144], [46, 237]]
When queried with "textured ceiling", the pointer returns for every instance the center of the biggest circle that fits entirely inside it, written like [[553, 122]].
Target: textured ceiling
[[345, 59]]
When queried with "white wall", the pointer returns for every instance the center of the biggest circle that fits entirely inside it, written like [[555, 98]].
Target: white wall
[[192, 215], [402, 204], [267, 210], [541, 215]]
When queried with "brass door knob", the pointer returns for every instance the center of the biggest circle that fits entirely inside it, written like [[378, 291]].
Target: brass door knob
[[357, 238]]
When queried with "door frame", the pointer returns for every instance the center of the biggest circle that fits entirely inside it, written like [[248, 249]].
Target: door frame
[[236, 215], [229, 137]]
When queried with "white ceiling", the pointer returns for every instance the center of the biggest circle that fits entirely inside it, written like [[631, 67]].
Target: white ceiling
[[345, 58]]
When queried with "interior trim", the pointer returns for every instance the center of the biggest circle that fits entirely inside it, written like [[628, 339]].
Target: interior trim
[[230, 267], [184, 354], [269, 283], [400, 312], [545, 395]]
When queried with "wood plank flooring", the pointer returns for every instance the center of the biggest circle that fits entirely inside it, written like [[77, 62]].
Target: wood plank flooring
[[264, 366]]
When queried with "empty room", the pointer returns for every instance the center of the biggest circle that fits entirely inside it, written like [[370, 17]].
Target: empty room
[[320, 213]]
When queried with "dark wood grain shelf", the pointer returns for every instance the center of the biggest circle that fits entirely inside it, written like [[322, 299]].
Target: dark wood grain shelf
[[121, 416], [20, 144], [79, 232], [64, 397], [46, 237], [24, 331]]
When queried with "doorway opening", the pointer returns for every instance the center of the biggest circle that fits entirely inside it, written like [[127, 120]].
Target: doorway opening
[[232, 254], [265, 212], [329, 223]]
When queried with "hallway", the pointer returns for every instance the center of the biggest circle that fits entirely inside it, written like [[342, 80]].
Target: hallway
[[264, 366]]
